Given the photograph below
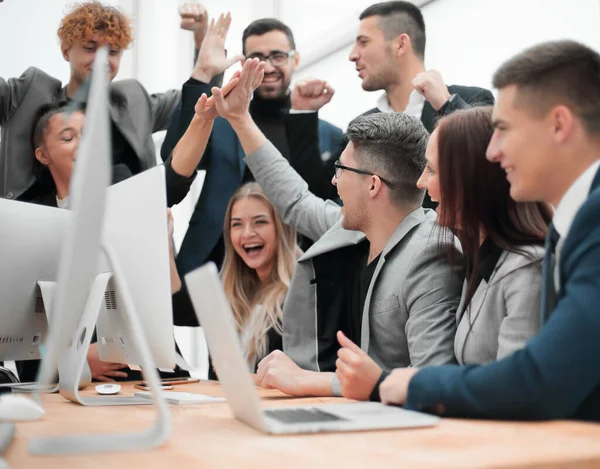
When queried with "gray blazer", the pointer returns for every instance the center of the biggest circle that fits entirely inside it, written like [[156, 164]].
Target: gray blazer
[[409, 314], [504, 313], [135, 113]]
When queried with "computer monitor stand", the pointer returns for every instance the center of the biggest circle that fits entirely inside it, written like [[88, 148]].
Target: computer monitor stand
[[159, 432]]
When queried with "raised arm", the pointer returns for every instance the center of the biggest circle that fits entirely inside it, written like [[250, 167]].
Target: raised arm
[[289, 193]]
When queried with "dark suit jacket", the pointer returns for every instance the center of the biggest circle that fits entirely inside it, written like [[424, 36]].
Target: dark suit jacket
[[308, 138], [557, 375], [466, 96]]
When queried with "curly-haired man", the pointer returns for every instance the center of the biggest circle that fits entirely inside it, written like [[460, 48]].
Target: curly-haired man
[[135, 114]]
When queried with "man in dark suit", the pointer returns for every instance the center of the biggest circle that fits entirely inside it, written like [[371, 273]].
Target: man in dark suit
[[289, 119], [547, 138], [389, 54]]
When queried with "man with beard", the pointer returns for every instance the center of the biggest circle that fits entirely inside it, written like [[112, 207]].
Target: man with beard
[[389, 54], [289, 119]]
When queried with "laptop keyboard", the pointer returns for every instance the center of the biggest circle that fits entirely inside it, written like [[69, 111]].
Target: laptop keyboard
[[308, 415]]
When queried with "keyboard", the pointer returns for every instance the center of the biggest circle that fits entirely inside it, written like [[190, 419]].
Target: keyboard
[[308, 415]]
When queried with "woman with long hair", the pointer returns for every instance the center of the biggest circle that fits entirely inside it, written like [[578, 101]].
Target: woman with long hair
[[260, 256], [502, 240]]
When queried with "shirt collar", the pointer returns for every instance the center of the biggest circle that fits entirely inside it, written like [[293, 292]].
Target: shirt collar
[[414, 108], [573, 199]]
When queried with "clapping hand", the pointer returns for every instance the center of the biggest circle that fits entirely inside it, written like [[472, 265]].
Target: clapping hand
[[235, 104]]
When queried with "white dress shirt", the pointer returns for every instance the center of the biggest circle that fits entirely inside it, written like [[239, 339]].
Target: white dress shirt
[[414, 108], [568, 207]]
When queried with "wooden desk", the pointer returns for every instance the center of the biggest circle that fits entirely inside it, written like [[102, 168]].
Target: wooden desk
[[207, 436]]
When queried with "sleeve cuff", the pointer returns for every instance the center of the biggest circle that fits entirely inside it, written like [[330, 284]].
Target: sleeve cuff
[[301, 111], [336, 388]]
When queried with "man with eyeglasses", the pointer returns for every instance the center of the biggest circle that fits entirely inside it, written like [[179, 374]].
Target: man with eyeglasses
[[289, 119], [378, 271]]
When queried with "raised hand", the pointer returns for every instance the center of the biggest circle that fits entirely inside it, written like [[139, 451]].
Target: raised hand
[[211, 58], [431, 85], [235, 105], [194, 17], [311, 95]]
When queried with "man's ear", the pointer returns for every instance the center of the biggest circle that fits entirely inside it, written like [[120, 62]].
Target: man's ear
[[401, 45], [42, 156], [65, 52], [296, 61], [375, 186], [562, 122]]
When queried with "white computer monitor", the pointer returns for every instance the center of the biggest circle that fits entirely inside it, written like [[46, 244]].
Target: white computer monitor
[[31, 237], [78, 282], [136, 227]]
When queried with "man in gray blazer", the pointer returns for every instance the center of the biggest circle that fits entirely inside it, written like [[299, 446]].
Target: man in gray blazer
[[377, 270], [135, 114]]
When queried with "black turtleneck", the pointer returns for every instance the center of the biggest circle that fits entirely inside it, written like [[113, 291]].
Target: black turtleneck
[[268, 114]]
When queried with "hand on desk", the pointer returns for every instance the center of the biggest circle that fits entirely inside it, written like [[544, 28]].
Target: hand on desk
[[394, 389], [278, 371], [355, 370], [103, 371]]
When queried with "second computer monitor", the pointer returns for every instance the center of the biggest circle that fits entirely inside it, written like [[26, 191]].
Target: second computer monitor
[[136, 227]]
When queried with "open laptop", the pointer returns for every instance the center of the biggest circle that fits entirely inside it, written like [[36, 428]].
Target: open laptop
[[216, 317]]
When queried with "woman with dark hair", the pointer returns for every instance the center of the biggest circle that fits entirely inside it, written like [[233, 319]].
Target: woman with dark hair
[[502, 240], [503, 247]]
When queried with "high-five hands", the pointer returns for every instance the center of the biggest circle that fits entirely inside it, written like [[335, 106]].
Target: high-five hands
[[243, 83], [234, 105]]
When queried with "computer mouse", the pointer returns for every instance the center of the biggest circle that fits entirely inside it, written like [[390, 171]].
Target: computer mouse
[[108, 388], [14, 407]]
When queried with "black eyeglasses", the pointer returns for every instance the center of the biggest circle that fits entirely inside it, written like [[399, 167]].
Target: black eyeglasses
[[276, 58], [340, 168]]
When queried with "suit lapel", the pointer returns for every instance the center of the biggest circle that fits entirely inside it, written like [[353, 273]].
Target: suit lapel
[[124, 123], [415, 218], [336, 238]]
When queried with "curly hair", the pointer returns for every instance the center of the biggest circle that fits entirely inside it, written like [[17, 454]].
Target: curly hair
[[86, 19]]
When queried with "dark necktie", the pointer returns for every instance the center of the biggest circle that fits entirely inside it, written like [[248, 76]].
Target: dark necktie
[[548, 290]]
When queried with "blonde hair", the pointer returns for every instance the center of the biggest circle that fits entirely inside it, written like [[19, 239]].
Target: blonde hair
[[253, 302]]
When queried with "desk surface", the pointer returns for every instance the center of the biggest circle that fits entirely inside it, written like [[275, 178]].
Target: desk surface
[[206, 435]]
